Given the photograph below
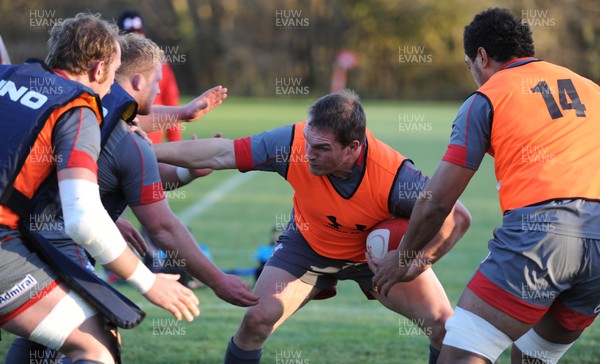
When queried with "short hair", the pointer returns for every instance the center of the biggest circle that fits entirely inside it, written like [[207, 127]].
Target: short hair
[[77, 42], [501, 35], [138, 55], [341, 113]]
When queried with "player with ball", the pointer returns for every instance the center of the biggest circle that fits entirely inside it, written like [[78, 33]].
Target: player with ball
[[345, 182]]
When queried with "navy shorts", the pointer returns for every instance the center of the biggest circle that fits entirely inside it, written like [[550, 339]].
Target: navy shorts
[[294, 255]]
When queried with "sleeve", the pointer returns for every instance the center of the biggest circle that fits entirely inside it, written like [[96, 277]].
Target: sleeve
[[268, 151], [471, 133], [138, 167], [76, 140], [407, 188]]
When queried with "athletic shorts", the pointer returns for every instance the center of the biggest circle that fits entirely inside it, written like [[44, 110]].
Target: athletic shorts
[[24, 277], [544, 260], [295, 256]]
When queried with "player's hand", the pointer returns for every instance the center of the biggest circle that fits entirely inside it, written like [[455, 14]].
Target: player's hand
[[235, 291], [392, 269], [204, 103], [132, 236], [135, 127], [387, 271], [170, 295]]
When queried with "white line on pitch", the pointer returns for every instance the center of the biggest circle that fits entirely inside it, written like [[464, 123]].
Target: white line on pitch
[[212, 197]]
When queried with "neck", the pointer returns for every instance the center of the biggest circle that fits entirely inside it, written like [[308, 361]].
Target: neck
[[83, 79]]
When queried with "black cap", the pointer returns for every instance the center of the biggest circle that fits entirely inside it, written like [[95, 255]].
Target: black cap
[[130, 21]]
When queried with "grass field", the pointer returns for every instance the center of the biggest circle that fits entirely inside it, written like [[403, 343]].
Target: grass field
[[347, 328]]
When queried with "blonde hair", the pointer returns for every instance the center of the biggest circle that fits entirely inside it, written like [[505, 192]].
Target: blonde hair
[[76, 43], [138, 55]]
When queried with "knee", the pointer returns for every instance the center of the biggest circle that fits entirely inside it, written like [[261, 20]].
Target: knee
[[98, 353], [258, 321], [436, 333], [91, 341], [437, 330]]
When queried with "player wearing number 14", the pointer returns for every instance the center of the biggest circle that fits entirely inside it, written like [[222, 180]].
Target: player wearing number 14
[[539, 286]]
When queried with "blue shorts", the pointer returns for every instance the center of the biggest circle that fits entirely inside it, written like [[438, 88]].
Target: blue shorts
[[295, 256], [544, 259]]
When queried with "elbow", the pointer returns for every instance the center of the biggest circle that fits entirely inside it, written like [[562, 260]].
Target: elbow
[[161, 231], [80, 231], [462, 218], [435, 210]]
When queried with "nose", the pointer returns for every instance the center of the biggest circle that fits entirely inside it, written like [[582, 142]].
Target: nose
[[310, 153]]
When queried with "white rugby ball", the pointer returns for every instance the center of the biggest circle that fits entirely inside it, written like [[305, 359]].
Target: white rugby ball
[[386, 236]]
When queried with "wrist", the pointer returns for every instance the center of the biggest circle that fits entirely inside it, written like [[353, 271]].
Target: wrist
[[142, 278], [184, 175], [184, 114]]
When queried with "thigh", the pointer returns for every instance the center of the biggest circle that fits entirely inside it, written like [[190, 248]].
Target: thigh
[[25, 322], [510, 326], [281, 294], [422, 299], [527, 271]]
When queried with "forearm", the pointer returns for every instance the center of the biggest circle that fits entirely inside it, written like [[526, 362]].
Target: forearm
[[88, 224], [452, 230], [178, 243], [169, 178], [433, 210], [424, 231], [214, 153]]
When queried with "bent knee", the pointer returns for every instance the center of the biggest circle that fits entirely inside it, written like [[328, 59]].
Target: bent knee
[[437, 329], [257, 316]]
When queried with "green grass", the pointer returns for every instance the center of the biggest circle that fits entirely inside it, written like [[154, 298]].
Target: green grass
[[347, 328]]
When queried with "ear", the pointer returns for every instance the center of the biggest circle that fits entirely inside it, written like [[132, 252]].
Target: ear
[[482, 54], [354, 146], [97, 71], [138, 82]]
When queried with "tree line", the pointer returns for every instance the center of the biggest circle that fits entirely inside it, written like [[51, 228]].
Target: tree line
[[406, 49]]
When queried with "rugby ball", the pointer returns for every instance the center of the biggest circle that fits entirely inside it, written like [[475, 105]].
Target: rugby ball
[[386, 236]]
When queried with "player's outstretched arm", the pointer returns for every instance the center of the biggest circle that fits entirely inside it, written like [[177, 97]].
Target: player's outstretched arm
[[214, 153], [164, 117], [174, 177], [437, 222], [89, 225], [173, 237]]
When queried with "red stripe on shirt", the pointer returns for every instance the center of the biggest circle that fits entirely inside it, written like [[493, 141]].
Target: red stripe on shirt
[[243, 154], [504, 301], [152, 193], [570, 319], [33, 300], [456, 154], [78, 158], [81, 159]]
